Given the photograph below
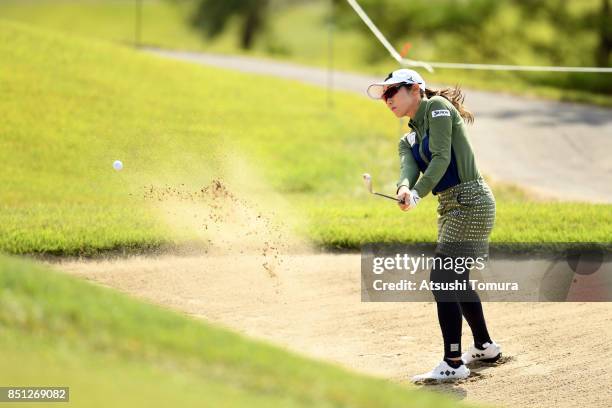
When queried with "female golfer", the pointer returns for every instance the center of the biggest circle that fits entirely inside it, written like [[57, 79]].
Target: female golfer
[[438, 150]]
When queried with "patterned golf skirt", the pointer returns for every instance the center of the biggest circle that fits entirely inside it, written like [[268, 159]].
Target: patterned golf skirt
[[466, 218]]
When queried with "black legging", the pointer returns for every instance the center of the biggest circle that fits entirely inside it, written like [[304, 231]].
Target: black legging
[[453, 304]]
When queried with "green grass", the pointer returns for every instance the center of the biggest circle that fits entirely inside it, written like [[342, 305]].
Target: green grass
[[164, 24], [115, 351], [299, 33], [72, 107], [537, 224]]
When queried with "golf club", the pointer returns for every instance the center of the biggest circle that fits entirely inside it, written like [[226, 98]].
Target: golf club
[[367, 179]]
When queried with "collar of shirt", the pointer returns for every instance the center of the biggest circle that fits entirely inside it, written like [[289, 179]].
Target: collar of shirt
[[419, 116]]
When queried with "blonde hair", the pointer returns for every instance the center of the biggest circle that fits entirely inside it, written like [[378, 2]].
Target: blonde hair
[[454, 96]]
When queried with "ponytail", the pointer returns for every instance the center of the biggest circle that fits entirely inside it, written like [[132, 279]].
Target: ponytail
[[454, 96]]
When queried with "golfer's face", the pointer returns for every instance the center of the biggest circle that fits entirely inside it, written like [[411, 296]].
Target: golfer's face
[[402, 101]]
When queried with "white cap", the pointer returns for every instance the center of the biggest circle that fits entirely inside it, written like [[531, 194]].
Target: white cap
[[408, 76]]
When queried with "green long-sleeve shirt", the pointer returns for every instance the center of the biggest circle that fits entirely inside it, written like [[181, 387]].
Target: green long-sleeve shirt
[[448, 158]]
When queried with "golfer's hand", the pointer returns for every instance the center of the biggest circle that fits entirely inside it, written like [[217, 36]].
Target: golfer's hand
[[403, 194], [408, 198]]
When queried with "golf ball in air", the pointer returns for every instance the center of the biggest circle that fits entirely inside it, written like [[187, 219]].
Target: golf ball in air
[[117, 165]]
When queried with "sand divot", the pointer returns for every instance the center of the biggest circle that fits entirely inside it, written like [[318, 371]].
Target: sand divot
[[226, 224]]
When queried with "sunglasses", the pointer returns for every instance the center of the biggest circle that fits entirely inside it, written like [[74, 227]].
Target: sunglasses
[[392, 90]]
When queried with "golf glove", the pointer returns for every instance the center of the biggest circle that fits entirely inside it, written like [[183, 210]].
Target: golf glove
[[413, 200]]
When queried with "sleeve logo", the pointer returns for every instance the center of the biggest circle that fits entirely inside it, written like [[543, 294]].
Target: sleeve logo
[[440, 112]]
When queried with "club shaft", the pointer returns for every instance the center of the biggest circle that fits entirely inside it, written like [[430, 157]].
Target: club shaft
[[389, 197]]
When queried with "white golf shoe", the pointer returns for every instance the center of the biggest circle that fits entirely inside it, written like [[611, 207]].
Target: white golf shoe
[[444, 372], [490, 354]]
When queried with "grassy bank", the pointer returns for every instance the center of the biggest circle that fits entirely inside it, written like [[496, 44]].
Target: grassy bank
[[334, 226], [75, 106]]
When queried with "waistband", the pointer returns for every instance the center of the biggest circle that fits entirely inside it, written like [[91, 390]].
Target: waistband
[[450, 192]]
